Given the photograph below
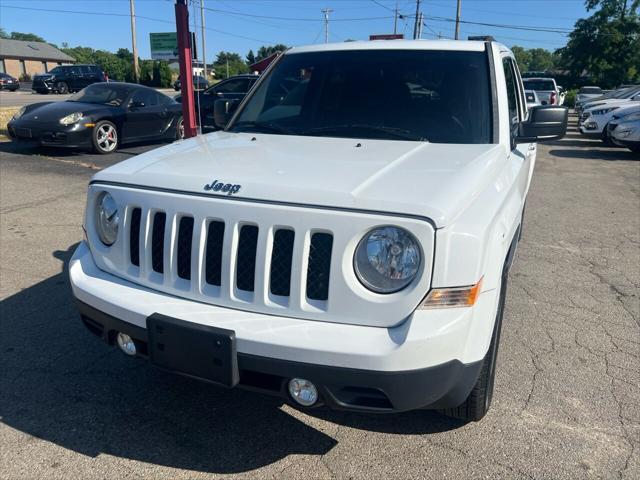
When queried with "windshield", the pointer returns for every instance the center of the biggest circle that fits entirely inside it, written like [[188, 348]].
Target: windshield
[[539, 84], [419, 95], [590, 90], [103, 94]]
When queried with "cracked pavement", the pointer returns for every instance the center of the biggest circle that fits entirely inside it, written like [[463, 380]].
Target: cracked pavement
[[567, 399]]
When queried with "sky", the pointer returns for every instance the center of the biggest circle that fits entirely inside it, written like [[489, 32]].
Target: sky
[[241, 25]]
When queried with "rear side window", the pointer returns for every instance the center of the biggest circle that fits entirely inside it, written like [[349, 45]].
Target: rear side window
[[539, 85]]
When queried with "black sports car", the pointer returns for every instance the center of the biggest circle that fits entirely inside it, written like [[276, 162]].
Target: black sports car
[[102, 116]]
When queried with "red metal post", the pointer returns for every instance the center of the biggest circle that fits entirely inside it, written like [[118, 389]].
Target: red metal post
[[186, 76]]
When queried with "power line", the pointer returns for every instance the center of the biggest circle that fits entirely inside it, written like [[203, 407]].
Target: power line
[[112, 14], [296, 19]]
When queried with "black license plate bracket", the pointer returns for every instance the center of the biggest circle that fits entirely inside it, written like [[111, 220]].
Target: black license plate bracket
[[195, 350]]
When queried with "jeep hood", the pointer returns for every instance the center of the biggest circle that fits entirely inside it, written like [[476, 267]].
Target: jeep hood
[[431, 180]]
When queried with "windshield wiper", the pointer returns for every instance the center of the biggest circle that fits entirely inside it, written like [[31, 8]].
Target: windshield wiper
[[397, 132], [264, 127]]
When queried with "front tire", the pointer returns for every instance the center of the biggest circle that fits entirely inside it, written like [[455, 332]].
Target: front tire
[[104, 137], [477, 404], [180, 129], [62, 88]]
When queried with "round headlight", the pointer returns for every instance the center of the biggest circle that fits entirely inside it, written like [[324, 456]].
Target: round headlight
[[107, 219], [387, 259], [71, 118]]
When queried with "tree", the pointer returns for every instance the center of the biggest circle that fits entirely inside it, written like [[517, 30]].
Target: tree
[[3, 33], [28, 37], [541, 60], [267, 51], [523, 57], [229, 61], [251, 58], [607, 44]]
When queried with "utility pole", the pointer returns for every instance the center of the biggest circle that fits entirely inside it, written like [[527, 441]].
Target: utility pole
[[415, 26], [136, 74], [326, 12], [395, 19], [186, 69], [420, 25], [204, 45], [458, 20]]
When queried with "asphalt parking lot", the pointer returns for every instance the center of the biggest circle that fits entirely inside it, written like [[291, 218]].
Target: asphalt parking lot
[[567, 400]]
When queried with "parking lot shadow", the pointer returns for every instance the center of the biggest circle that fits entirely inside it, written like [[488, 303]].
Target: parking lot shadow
[[609, 154], [28, 148], [63, 385]]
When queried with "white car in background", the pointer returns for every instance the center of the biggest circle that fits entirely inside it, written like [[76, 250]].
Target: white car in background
[[621, 94], [546, 89], [624, 130], [531, 98], [588, 93], [598, 117]]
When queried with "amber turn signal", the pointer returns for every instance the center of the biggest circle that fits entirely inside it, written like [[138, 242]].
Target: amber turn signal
[[452, 297]]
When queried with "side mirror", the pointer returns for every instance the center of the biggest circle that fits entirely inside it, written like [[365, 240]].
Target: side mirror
[[545, 122], [136, 105], [223, 110]]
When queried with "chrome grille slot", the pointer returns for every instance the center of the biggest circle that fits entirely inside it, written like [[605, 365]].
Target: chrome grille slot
[[246, 258], [319, 267], [213, 253], [183, 248], [134, 237], [281, 258], [157, 242]]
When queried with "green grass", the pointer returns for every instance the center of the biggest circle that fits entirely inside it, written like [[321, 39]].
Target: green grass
[[5, 115]]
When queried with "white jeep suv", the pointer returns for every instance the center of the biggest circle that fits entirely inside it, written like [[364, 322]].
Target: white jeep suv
[[345, 240]]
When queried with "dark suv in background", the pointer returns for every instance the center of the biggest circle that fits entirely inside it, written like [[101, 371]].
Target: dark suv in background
[[68, 78]]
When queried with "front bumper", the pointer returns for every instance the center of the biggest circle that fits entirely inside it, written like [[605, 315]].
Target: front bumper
[[430, 362], [42, 85], [73, 136]]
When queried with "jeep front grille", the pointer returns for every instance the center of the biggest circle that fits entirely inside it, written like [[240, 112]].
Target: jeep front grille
[[252, 256], [245, 258]]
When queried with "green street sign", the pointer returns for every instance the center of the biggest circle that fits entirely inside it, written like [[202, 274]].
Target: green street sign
[[164, 46]]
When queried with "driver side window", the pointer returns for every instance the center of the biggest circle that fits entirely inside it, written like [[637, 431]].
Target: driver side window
[[233, 86], [148, 97]]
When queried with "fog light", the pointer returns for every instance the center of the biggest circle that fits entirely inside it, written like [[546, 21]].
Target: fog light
[[126, 344], [303, 391]]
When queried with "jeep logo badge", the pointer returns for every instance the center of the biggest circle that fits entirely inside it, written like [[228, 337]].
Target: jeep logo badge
[[227, 188]]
